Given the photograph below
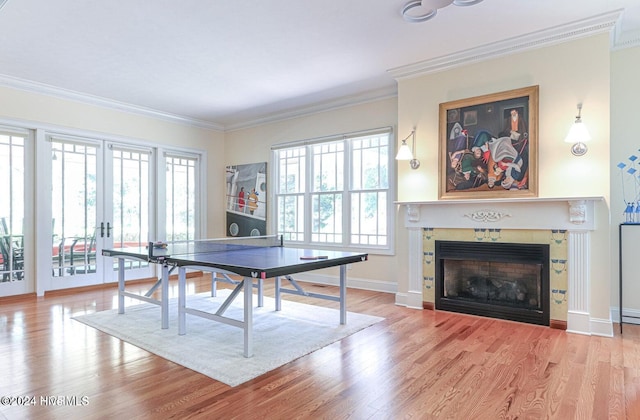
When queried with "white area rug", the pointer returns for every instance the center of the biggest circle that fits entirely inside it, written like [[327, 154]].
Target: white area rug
[[215, 349]]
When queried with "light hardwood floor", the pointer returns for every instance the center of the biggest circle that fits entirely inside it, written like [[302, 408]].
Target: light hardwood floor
[[416, 364]]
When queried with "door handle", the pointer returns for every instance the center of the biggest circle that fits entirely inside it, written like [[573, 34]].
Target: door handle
[[102, 229], [108, 230]]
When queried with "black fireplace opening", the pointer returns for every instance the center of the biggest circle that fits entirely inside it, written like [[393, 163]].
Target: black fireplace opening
[[498, 280]]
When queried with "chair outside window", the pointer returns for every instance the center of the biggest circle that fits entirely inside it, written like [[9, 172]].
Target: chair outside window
[[11, 252], [82, 255], [75, 255]]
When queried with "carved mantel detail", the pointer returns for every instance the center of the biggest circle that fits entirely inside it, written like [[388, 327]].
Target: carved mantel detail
[[577, 212], [487, 215], [413, 212]]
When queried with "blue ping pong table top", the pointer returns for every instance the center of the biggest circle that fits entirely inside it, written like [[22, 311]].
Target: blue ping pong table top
[[263, 262]]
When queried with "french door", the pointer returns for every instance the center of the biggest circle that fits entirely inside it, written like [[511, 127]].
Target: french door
[[101, 198], [16, 246], [130, 217], [181, 197], [77, 190]]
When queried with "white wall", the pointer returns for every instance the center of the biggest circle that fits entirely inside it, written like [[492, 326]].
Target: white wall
[[43, 109], [625, 87], [564, 81]]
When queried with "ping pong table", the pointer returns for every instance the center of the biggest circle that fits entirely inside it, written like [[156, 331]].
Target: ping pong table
[[256, 258]]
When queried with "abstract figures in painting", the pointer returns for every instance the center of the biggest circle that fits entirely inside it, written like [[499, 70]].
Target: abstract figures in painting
[[489, 145], [246, 199]]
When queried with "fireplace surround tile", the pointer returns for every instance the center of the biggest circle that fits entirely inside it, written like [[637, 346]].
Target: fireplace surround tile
[[556, 239]]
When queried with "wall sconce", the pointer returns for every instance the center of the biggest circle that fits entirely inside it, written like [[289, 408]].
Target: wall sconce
[[578, 135], [406, 153]]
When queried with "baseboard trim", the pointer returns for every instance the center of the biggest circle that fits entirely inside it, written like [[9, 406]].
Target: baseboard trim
[[558, 325]]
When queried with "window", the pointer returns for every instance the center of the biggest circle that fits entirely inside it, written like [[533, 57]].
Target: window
[[335, 191], [370, 191]]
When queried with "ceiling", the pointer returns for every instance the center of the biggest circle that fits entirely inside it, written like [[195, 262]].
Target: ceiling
[[229, 64]]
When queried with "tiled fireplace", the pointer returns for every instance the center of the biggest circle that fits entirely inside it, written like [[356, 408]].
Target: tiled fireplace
[[560, 227], [493, 279]]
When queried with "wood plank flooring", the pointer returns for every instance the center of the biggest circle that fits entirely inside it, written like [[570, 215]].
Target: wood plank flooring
[[416, 364]]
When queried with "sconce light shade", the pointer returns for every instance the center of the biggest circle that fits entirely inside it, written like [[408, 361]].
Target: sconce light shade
[[578, 135], [406, 153]]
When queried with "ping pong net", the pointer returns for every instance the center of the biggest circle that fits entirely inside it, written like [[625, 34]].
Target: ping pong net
[[159, 250]]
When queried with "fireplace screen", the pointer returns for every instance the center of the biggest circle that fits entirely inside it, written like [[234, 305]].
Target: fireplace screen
[[497, 283], [500, 280]]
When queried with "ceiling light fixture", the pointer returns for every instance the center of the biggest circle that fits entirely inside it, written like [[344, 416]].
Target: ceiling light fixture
[[466, 2], [423, 10]]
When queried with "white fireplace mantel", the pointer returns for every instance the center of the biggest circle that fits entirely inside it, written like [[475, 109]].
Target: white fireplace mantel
[[576, 215]]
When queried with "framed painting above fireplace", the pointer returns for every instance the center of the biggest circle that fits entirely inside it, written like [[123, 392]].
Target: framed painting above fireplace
[[488, 146]]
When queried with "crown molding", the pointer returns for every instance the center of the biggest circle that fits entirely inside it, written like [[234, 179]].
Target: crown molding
[[60, 93], [347, 101], [624, 39], [628, 41], [44, 89], [579, 29]]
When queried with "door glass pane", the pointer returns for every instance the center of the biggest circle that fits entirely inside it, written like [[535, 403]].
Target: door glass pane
[[12, 207], [130, 201], [181, 198], [74, 208]]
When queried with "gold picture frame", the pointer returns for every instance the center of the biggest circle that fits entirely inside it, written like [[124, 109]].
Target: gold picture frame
[[488, 146]]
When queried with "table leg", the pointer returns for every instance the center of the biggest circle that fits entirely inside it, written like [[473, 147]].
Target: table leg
[[214, 284], [120, 285], [164, 299], [343, 294], [248, 317], [278, 294], [182, 300], [260, 292]]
